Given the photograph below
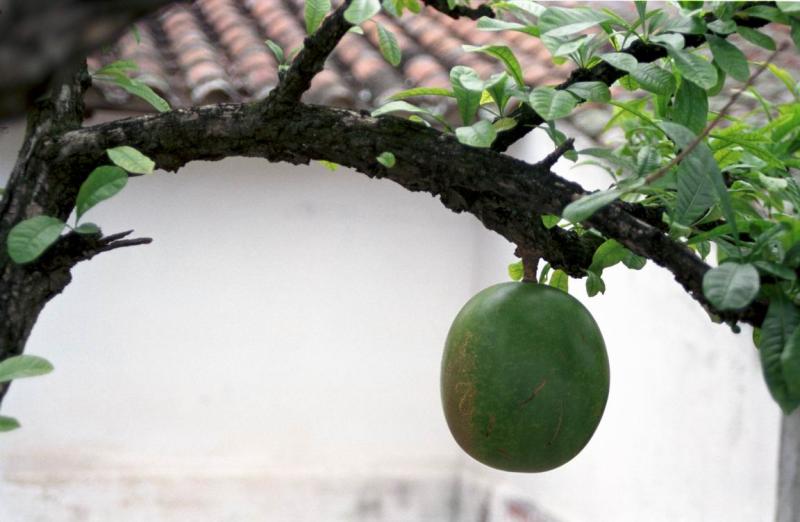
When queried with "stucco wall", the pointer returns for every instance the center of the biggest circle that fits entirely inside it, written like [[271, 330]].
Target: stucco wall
[[275, 352]]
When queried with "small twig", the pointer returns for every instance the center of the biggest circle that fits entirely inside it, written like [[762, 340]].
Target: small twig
[[122, 244], [554, 156], [530, 263], [311, 58], [720, 116]]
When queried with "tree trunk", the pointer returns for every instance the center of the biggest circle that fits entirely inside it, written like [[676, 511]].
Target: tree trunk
[[788, 508]]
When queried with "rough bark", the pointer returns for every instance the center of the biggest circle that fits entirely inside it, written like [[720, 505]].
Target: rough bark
[[37, 37], [37, 186], [506, 194]]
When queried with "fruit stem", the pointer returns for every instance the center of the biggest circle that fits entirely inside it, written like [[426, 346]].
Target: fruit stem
[[530, 264]]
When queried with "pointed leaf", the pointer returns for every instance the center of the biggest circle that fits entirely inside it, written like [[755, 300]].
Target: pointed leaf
[[591, 91], [361, 10], [8, 423], [131, 160], [21, 366], [756, 37], [731, 286], [276, 50], [729, 58], [690, 108], [790, 364], [422, 91], [561, 21], [552, 104], [607, 255], [104, 182], [780, 323], [467, 87], [30, 238], [594, 284], [314, 13], [585, 207], [622, 61], [388, 45], [653, 78], [480, 134], [505, 55], [559, 279], [694, 67]]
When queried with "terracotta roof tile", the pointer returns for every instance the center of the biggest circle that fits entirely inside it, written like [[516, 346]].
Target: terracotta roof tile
[[213, 50]]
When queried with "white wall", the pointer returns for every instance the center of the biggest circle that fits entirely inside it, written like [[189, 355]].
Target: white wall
[[285, 327]]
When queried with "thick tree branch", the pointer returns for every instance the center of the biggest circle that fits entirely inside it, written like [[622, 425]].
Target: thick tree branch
[[461, 10], [39, 38], [506, 194], [528, 119]]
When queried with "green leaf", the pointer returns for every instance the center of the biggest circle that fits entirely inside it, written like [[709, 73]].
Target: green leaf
[[480, 134], [30, 238], [622, 61], [694, 67], [653, 78], [504, 124], [134, 87], [729, 58], [276, 50], [756, 37], [723, 26], [117, 67], [386, 159], [731, 286], [314, 13], [794, 23], [561, 21], [329, 165], [549, 220], [790, 364], [388, 45], [633, 261], [421, 91], [131, 160], [552, 104], [21, 366], [789, 7], [775, 269], [104, 182], [780, 323], [594, 284], [698, 175], [87, 229], [690, 108], [403, 106], [516, 271], [505, 55], [495, 24], [696, 193], [8, 423], [583, 208], [361, 10], [500, 87], [607, 255], [591, 91], [467, 87], [559, 279]]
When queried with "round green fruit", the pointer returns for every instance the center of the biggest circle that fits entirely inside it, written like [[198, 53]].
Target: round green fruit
[[524, 377]]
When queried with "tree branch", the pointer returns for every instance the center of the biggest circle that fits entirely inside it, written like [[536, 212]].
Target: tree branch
[[506, 194], [461, 10], [311, 58]]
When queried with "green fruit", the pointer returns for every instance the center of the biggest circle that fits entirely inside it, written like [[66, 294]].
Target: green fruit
[[524, 377]]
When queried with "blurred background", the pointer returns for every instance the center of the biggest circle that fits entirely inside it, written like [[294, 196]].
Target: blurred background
[[274, 354]]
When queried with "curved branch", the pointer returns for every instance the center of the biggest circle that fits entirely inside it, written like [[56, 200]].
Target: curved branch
[[507, 195]]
